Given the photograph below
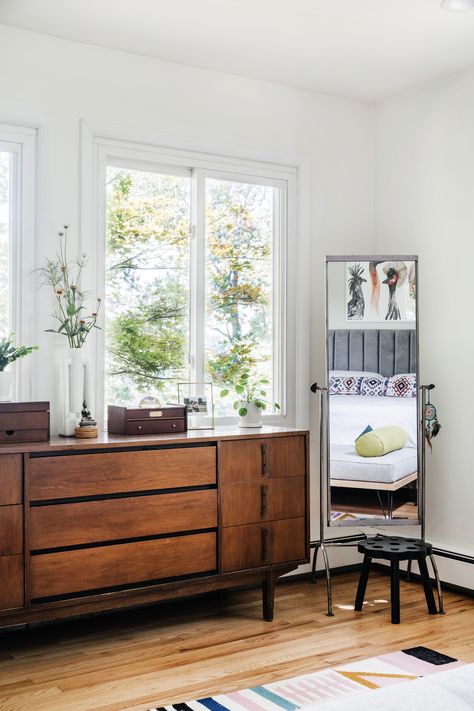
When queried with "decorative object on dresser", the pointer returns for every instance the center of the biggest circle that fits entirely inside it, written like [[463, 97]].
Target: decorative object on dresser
[[147, 420], [24, 422], [75, 322], [199, 401], [9, 353], [113, 523], [87, 426]]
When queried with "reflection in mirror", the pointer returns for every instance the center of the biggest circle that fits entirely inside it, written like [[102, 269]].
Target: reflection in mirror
[[372, 391]]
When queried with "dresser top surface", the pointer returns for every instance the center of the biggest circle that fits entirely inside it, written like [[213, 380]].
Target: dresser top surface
[[106, 441]]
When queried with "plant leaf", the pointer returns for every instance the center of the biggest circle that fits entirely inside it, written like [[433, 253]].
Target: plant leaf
[[224, 392], [243, 411]]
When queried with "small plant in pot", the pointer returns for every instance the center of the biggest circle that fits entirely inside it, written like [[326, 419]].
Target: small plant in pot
[[9, 353], [251, 399]]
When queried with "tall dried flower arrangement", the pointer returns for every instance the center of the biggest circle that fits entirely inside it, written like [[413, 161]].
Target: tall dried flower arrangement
[[71, 312]]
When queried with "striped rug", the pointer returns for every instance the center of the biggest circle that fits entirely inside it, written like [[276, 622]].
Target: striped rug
[[343, 680]]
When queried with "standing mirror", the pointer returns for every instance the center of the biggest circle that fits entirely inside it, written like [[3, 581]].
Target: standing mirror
[[373, 461]]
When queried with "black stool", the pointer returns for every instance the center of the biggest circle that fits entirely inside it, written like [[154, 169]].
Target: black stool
[[395, 549]]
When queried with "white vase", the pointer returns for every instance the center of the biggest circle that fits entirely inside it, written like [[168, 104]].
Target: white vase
[[76, 380], [71, 391], [253, 418], [5, 385]]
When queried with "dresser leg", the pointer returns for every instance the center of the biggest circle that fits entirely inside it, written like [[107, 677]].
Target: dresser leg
[[268, 590]]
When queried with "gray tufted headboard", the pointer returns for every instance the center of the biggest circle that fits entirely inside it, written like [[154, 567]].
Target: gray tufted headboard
[[379, 351]]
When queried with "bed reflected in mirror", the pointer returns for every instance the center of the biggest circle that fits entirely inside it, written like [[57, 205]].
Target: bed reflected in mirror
[[372, 416]]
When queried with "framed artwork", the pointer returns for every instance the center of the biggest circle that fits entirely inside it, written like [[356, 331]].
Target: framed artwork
[[380, 291], [199, 401]]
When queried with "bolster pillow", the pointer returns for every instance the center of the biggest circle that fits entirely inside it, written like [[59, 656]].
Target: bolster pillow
[[381, 441]]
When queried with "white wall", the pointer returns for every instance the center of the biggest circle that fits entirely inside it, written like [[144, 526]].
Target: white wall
[[68, 82], [424, 204]]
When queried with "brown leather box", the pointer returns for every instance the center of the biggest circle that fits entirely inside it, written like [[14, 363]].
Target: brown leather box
[[144, 420], [24, 421]]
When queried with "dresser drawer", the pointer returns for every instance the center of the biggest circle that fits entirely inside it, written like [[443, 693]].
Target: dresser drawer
[[261, 544], [11, 530], [11, 582], [120, 472], [114, 519], [11, 490], [257, 459], [255, 501], [69, 572]]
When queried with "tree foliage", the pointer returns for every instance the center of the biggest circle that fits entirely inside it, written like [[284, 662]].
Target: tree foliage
[[148, 271]]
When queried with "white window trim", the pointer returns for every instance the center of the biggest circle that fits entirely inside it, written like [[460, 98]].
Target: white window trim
[[99, 144], [22, 141]]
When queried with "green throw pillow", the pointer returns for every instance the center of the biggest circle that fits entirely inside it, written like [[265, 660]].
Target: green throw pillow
[[381, 441]]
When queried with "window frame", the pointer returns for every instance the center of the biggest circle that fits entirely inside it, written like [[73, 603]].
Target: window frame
[[99, 150], [21, 141]]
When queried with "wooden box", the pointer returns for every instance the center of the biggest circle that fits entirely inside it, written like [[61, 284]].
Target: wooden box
[[24, 422], [145, 420]]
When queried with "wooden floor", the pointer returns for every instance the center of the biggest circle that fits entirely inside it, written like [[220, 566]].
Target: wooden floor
[[179, 651]]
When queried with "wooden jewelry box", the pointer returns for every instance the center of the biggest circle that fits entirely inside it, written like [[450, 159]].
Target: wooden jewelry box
[[24, 421], [147, 420]]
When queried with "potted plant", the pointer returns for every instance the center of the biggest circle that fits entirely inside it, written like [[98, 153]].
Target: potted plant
[[251, 399], [9, 353]]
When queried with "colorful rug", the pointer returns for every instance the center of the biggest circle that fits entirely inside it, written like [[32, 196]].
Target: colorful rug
[[343, 680]]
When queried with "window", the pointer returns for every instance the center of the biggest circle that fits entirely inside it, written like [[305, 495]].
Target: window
[[17, 217], [194, 277], [7, 165]]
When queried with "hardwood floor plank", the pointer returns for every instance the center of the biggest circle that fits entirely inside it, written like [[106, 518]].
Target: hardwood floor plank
[[129, 661]]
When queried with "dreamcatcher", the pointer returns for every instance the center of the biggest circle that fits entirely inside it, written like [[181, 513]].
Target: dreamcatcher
[[432, 426]]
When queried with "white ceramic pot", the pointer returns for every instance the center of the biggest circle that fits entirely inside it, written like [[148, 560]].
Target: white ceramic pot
[[253, 418], [5, 385]]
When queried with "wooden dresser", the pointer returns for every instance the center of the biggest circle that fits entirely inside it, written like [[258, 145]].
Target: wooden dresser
[[122, 521]]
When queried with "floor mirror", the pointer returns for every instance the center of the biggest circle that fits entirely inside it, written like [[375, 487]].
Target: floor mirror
[[371, 449], [372, 404]]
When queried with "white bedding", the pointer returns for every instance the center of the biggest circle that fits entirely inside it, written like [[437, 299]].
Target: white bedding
[[346, 464], [349, 415]]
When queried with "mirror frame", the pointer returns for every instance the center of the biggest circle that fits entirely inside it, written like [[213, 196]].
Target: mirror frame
[[373, 522]]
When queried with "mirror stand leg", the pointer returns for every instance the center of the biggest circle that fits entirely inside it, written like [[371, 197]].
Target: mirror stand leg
[[438, 586], [330, 612], [315, 559], [381, 504]]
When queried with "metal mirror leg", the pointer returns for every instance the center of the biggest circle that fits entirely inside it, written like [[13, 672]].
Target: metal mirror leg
[[320, 544]]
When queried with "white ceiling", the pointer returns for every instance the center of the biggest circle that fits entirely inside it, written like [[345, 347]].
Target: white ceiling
[[366, 49]]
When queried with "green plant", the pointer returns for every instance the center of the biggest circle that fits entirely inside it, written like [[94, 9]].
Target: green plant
[[64, 277], [9, 353], [250, 390]]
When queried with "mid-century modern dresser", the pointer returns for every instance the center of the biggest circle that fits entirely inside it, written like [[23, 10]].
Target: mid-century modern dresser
[[123, 521]]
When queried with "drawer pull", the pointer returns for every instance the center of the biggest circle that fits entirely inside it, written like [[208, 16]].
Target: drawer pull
[[264, 501], [265, 467], [265, 547], [10, 432]]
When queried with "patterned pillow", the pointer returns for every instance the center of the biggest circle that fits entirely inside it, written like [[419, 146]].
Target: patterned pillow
[[344, 385], [403, 385], [373, 386]]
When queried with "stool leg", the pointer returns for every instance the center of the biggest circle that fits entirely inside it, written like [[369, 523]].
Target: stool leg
[[395, 591], [430, 601], [364, 576]]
